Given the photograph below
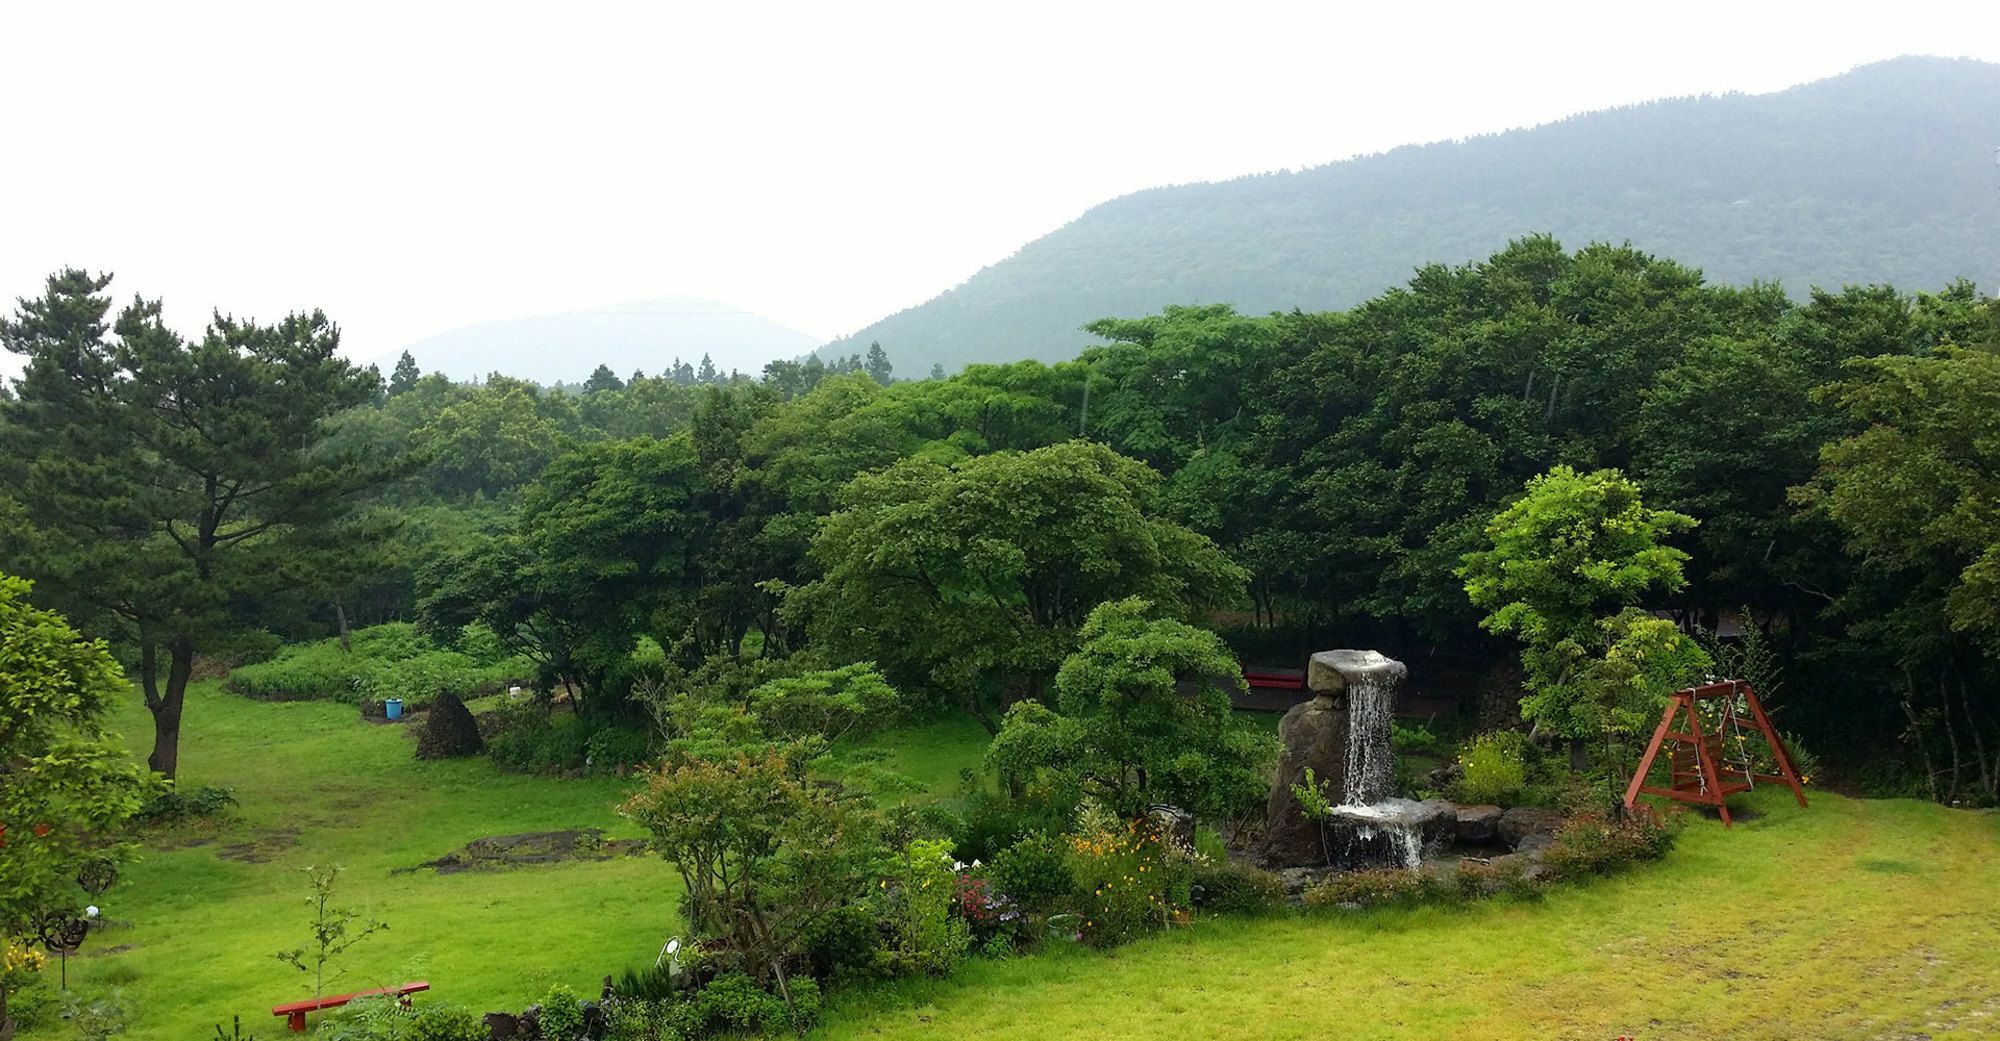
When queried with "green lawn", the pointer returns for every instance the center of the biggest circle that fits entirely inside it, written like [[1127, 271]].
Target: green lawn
[[194, 927], [1849, 920]]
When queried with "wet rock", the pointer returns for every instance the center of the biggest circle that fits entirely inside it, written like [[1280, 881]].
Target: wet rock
[[501, 1026], [1477, 825], [1312, 736], [1529, 825]]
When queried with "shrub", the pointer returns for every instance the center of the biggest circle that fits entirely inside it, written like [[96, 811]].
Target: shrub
[[845, 941], [613, 746], [929, 938], [1230, 887], [544, 745], [438, 1022], [1127, 881], [734, 1001], [1599, 844], [174, 805], [1495, 766], [1375, 887], [562, 1014], [1035, 872], [387, 661]]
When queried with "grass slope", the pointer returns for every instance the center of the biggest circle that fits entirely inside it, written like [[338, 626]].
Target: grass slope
[[194, 925], [1849, 920], [203, 921]]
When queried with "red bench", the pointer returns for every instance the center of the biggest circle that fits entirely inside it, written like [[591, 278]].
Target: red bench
[[295, 1013]]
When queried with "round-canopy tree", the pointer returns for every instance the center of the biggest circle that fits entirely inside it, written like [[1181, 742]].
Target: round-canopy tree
[[972, 580], [64, 784]]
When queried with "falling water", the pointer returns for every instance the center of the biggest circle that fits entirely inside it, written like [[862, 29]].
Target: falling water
[[1368, 714], [1367, 810]]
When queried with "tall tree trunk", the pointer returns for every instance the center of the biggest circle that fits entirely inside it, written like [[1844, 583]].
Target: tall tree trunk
[[166, 707], [346, 641]]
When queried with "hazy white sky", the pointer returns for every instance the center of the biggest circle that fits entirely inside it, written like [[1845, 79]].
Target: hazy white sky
[[412, 167]]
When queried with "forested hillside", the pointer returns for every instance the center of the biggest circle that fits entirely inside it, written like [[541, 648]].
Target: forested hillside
[[1885, 174]]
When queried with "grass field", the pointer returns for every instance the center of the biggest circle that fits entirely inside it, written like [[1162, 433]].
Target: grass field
[[1850, 920]]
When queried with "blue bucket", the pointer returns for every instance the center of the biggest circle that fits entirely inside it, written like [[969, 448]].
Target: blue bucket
[[393, 708]]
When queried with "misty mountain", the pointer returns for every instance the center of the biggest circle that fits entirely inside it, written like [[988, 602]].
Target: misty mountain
[[650, 335], [1884, 174]]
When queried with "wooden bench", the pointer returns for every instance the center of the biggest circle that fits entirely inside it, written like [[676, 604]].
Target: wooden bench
[[295, 1013]]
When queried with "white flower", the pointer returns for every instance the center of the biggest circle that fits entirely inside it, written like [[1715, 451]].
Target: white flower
[[90, 912], [975, 862], [958, 865]]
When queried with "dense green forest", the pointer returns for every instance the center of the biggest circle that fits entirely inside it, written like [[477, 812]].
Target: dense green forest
[[1884, 174], [1320, 476]]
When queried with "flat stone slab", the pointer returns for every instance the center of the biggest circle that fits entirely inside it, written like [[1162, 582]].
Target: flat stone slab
[[1331, 672]]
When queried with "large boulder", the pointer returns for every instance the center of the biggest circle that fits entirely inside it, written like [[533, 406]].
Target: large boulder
[[1312, 736], [1478, 825], [449, 731], [1529, 828]]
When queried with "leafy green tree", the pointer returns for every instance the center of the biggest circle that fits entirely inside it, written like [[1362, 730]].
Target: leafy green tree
[[707, 373], [168, 481], [405, 376], [1142, 716], [877, 366], [66, 786], [606, 547], [1572, 550], [937, 370], [764, 852], [1912, 494], [972, 581], [493, 441]]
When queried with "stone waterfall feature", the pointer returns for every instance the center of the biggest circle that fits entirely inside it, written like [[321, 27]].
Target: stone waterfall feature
[[1342, 736]]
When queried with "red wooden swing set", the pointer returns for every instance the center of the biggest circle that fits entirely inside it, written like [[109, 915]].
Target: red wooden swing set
[[1701, 772]]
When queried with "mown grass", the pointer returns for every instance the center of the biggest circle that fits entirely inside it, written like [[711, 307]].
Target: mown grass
[[194, 925], [1848, 920]]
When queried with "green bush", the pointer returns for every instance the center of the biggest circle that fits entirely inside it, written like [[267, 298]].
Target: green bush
[[734, 1001], [845, 942], [439, 1022], [1377, 887], [562, 1014], [174, 805], [1127, 881], [387, 661], [613, 746], [929, 938], [1229, 887], [1496, 768], [1035, 872], [1600, 844], [547, 745]]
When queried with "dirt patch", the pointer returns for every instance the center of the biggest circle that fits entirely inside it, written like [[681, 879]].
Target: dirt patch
[[497, 852], [262, 849]]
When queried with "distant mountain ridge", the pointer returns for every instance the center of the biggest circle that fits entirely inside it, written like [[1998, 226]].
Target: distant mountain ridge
[[646, 335], [1883, 174]]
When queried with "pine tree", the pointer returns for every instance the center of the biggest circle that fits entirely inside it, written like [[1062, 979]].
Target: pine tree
[[406, 375], [706, 374], [602, 378], [937, 370], [878, 366], [159, 520]]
